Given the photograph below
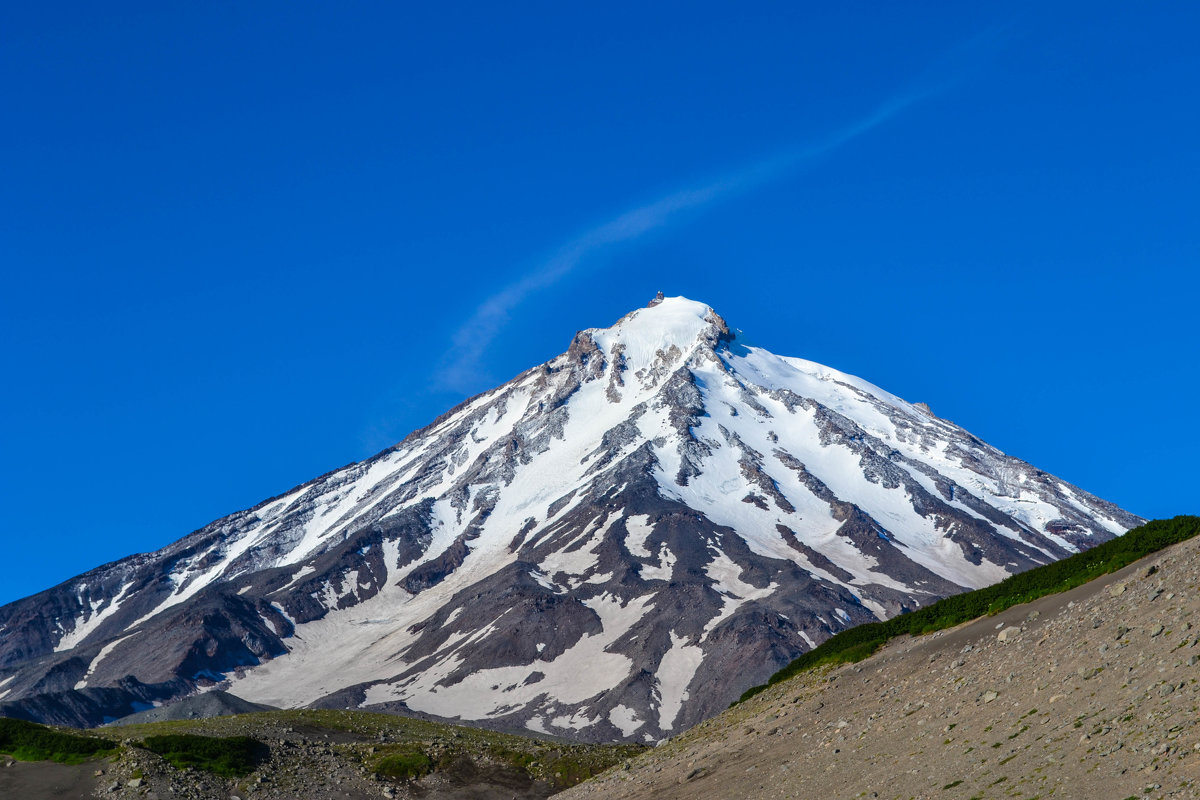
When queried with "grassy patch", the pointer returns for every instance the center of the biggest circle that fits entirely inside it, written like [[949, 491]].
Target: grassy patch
[[408, 765], [28, 741], [232, 757], [861, 641]]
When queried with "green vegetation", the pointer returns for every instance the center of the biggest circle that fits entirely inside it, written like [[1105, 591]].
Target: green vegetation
[[860, 642], [233, 757], [406, 765], [28, 741]]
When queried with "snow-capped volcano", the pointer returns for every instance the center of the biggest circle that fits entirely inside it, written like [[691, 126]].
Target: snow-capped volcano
[[612, 545]]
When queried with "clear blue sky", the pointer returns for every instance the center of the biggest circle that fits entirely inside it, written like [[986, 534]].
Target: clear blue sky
[[245, 243]]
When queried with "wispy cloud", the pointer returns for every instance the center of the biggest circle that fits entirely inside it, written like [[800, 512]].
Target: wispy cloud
[[461, 365]]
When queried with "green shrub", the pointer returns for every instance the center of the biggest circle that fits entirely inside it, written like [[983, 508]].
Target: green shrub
[[857, 643], [404, 766], [231, 757], [28, 741]]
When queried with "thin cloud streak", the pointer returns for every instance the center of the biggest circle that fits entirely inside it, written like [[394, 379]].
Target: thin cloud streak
[[461, 370]]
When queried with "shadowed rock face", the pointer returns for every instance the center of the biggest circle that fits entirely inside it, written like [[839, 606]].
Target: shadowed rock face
[[612, 545]]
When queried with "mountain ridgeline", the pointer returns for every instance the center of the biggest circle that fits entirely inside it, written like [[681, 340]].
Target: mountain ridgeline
[[612, 546]]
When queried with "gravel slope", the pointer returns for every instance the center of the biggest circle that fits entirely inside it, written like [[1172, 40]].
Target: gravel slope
[[1092, 693], [202, 706]]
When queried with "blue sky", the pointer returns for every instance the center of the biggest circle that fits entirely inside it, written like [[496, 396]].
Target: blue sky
[[244, 244]]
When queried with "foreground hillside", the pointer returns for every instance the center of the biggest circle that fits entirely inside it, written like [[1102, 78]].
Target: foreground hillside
[[1089, 693], [314, 754]]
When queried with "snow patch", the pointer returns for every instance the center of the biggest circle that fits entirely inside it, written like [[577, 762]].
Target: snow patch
[[639, 529], [585, 670], [306, 570], [625, 719], [576, 722], [84, 626], [104, 651], [727, 582], [675, 673], [664, 570]]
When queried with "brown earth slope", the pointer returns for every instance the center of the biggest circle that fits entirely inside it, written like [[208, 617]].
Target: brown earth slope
[[1092, 693]]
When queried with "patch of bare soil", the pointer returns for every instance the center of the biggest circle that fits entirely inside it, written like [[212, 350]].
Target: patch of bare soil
[[21, 780], [1092, 693], [468, 781]]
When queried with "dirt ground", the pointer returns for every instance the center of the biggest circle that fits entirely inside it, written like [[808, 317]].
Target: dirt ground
[[1092, 694], [24, 780]]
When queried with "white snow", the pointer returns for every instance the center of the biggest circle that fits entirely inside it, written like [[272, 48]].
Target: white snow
[[543, 580], [840, 469], [584, 671], [577, 721], [104, 651], [639, 529], [625, 719], [307, 569], [726, 577], [580, 561], [335, 510], [664, 570], [84, 626], [674, 675], [647, 332]]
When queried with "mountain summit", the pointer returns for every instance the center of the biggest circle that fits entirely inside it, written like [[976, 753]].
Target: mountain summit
[[612, 545]]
